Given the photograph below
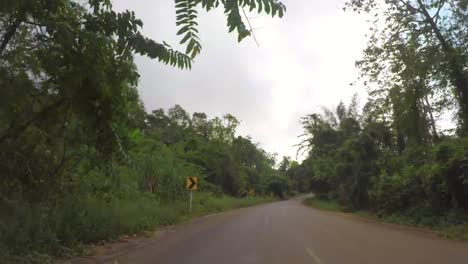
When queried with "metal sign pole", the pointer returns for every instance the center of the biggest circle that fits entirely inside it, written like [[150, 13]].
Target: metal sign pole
[[190, 207]]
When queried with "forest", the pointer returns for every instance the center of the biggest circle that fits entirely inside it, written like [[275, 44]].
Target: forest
[[405, 153], [83, 161]]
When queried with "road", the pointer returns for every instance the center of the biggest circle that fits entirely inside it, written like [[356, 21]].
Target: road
[[289, 232]]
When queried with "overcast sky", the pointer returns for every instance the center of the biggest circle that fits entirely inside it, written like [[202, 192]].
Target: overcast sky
[[305, 61]]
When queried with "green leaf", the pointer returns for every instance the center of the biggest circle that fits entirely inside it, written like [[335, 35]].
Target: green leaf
[[187, 37], [266, 4], [183, 30], [260, 6]]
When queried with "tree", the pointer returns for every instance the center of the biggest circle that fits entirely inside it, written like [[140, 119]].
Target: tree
[[66, 69], [438, 29], [201, 124], [285, 164], [341, 156], [84, 53]]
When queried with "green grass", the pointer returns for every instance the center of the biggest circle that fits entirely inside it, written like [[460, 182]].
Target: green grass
[[206, 203], [34, 233], [442, 226], [327, 205], [459, 232]]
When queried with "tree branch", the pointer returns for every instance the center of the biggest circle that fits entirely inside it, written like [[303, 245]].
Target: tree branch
[[64, 150], [32, 23], [8, 35], [436, 16], [411, 8], [250, 26], [445, 45]]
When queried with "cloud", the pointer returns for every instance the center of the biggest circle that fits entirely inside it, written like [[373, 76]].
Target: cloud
[[305, 61]]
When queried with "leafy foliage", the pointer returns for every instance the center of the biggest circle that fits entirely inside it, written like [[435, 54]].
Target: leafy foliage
[[81, 159], [418, 46], [393, 158], [187, 18], [365, 168]]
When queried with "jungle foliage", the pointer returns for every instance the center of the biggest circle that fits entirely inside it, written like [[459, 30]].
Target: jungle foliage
[[81, 160], [395, 155]]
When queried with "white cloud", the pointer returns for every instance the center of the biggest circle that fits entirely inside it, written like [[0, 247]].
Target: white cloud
[[305, 61]]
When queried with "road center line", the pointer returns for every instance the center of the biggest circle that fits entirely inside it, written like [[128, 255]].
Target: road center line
[[314, 256]]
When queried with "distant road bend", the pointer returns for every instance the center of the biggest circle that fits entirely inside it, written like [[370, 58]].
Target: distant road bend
[[289, 232]]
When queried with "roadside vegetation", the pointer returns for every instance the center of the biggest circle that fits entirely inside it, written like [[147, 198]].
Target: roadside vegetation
[[443, 227], [327, 205], [395, 157], [76, 224], [81, 158]]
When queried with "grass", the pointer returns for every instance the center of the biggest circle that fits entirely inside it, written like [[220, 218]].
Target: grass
[[441, 226], [327, 205], [35, 233], [206, 203], [455, 232]]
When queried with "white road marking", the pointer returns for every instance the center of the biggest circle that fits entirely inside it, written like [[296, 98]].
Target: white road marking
[[314, 256]]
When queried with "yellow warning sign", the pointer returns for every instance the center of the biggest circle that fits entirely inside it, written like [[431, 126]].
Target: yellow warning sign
[[192, 183]]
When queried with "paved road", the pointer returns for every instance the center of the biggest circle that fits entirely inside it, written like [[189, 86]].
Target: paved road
[[289, 232]]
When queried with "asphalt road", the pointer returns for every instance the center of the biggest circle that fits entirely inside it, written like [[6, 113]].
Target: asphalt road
[[289, 232]]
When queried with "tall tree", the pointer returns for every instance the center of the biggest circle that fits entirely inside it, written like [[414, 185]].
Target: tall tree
[[439, 29]]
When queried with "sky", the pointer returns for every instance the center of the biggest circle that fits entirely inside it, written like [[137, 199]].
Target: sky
[[304, 61]]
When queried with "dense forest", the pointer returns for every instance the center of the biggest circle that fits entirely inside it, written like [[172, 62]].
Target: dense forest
[[81, 158], [399, 154]]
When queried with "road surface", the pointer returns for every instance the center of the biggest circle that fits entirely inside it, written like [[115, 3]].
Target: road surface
[[289, 232]]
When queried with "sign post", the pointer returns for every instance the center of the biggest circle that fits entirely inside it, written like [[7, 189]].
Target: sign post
[[192, 184], [190, 206]]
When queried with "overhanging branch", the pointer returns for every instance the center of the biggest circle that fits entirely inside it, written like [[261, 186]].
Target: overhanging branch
[[8, 35]]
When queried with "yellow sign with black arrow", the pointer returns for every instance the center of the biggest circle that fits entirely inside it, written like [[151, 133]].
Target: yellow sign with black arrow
[[192, 183]]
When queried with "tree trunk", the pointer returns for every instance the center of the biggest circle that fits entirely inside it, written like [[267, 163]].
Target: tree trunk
[[458, 76], [429, 114], [461, 83], [8, 35]]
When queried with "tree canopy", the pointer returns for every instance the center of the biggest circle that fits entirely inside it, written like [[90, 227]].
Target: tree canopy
[[418, 49]]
